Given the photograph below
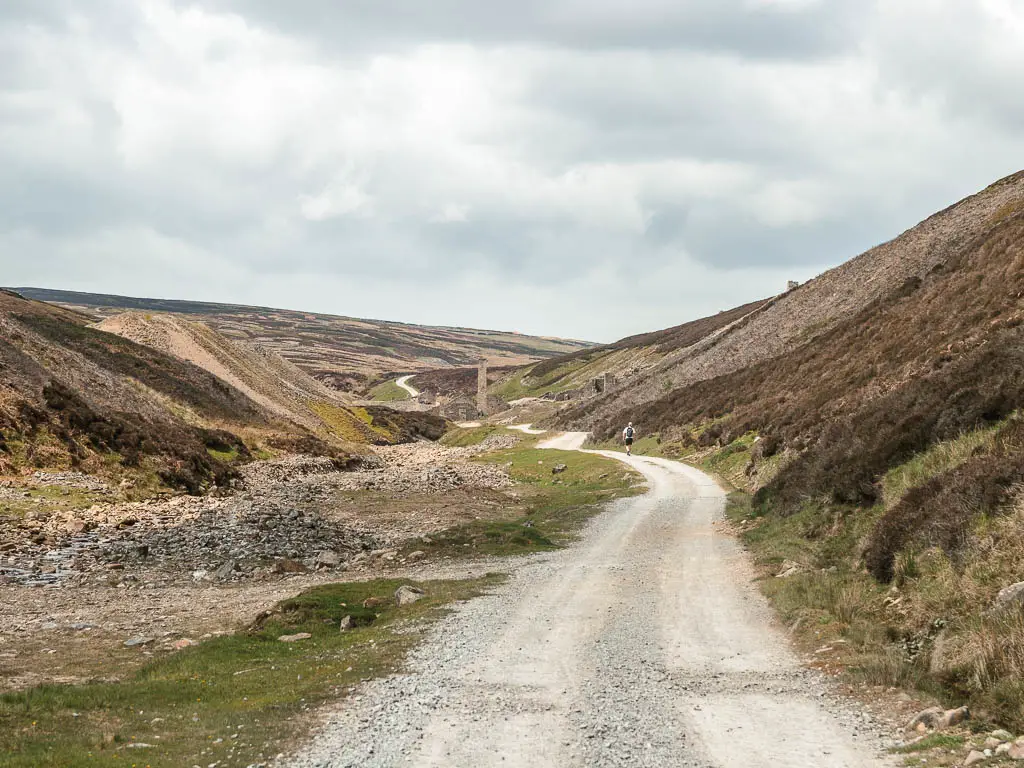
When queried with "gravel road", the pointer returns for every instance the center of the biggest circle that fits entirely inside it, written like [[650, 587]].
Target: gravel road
[[643, 645], [403, 382]]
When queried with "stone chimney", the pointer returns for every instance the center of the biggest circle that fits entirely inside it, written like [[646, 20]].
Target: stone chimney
[[481, 387]]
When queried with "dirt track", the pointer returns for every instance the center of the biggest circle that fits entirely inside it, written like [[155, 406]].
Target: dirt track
[[645, 645], [403, 382]]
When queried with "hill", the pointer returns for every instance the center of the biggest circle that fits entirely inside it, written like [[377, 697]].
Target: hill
[[282, 389], [74, 396], [876, 412], [266, 378], [819, 306], [630, 358], [346, 353]]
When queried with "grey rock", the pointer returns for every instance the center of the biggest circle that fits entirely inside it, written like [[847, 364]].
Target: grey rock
[[137, 642], [347, 623], [407, 595], [328, 559], [558, 469], [1010, 597], [226, 570], [975, 757], [295, 638]]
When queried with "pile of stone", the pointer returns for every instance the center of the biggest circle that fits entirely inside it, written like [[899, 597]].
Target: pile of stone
[[71, 480]]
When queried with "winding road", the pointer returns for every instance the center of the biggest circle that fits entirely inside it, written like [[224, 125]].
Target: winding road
[[403, 382], [643, 645]]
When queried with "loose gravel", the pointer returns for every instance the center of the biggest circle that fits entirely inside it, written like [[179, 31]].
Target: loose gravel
[[644, 645]]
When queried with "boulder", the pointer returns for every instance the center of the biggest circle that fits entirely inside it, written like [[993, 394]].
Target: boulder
[[558, 469], [407, 595], [347, 623], [975, 757], [1016, 751], [295, 638], [419, 554]]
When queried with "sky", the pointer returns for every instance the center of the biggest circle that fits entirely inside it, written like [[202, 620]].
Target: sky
[[586, 169]]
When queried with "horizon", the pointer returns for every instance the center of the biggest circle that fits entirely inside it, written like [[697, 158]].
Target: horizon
[[571, 173]]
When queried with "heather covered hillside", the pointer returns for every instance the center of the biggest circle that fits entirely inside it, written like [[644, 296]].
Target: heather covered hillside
[[836, 298], [887, 454], [73, 396], [632, 357]]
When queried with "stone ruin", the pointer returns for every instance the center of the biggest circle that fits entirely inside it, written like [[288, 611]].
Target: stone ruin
[[602, 383]]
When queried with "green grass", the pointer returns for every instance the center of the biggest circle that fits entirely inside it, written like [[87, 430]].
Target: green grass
[[730, 462], [389, 392], [939, 458], [55, 499], [227, 457], [460, 437], [933, 741], [234, 699], [557, 505]]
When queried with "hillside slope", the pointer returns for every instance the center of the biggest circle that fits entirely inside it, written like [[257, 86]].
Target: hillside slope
[[265, 377], [282, 389], [74, 396], [630, 357], [818, 306], [345, 352], [885, 448]]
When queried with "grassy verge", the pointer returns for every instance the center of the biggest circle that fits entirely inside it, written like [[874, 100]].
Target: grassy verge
[[388, 392], [465, 437], [230, 701], [556, 505]]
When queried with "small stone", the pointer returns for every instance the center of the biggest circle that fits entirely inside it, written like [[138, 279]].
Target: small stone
[[926, 719], [328, 559], [224, 572], [136, 642], [558, 469], [1010, 596], [200, 576], [407, 595], [953, 717], [347, 623], [295, 638], [287, 565], [975, 757]]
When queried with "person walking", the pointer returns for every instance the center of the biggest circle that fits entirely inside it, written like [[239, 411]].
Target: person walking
[[627, 437]]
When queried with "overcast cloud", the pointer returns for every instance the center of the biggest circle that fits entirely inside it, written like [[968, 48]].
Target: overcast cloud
[[588, 169]]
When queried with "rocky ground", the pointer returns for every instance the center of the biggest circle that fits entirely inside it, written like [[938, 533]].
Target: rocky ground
[[78, 579]]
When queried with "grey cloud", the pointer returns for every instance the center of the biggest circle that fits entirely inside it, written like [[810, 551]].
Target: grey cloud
[[818, 29], [638, 88]]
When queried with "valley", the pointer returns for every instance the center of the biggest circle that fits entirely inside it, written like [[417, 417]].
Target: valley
[[190, 490]]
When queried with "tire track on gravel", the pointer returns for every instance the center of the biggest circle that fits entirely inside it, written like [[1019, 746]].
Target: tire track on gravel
[[643, 645]]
